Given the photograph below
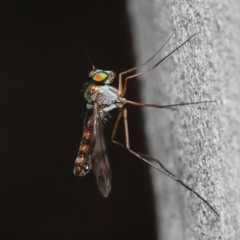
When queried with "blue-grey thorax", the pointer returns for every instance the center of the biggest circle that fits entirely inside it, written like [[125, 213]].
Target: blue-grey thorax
[[104, 96]]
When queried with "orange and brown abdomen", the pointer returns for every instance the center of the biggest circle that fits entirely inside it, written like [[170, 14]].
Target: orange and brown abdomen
[[82, 164]]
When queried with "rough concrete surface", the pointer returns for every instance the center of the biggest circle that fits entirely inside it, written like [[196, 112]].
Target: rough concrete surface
[[199, 143]]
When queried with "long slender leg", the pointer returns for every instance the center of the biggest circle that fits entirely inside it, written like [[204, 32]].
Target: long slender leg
[[158, 162], [122, 89], [164, 106], [148, 159], [116, 127], [125, 122], [143, 64]]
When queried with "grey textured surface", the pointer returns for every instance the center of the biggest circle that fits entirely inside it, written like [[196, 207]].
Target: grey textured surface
[[199, 143]]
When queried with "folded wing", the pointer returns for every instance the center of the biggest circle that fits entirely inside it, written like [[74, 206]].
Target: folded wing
[[100, 163]]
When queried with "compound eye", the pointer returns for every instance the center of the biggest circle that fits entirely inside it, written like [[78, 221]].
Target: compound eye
[[100, 77]]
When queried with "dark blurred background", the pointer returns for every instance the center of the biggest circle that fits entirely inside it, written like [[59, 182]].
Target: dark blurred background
[[42, 74]]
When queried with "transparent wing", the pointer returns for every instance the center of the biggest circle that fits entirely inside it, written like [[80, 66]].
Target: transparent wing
[[100, 163]]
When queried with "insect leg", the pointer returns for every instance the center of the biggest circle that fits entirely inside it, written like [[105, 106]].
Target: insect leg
[[164, 106], [122, 89], [143, 64], [116, 127], [148, 159]]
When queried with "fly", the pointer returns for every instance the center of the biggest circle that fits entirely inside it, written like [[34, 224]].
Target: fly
[[101, 99]]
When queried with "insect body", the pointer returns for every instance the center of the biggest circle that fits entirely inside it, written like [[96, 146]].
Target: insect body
[[102, 98]]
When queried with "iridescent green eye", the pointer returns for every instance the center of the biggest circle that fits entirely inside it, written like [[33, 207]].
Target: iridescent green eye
[[100, 76]]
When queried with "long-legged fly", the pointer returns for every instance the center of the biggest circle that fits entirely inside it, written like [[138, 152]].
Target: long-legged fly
[[101, 98]]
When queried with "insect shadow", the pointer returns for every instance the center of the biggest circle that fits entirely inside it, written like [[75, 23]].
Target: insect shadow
[[101, 98]]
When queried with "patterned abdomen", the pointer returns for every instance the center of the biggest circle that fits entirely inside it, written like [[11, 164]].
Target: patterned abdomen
[[82, 163]]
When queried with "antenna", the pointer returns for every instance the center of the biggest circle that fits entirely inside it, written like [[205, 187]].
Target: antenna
[[93, 67]]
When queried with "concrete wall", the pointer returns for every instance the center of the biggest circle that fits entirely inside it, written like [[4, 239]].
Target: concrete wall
[[199, 143]]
